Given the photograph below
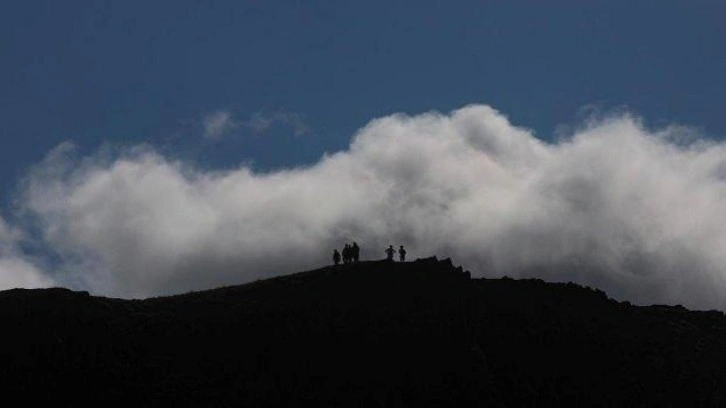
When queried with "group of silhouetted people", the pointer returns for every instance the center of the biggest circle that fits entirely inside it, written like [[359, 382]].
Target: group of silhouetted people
[[351, 253], [390, 252]]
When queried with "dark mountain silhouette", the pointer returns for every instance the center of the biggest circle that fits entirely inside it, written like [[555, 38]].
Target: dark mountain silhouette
[[367, 334]]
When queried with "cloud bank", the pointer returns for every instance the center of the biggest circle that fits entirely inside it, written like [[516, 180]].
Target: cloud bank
[[636, 212]]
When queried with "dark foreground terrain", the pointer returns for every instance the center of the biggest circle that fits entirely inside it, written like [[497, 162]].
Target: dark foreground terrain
[[370, 334]]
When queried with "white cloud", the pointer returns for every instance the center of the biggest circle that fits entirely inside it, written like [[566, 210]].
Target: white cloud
[[7, 234], [15, 270], [616, 206]]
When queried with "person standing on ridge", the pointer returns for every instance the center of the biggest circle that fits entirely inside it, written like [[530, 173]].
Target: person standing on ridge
[[336, 256], [402, 254], [346, 254], [390, 251], [355, 251]]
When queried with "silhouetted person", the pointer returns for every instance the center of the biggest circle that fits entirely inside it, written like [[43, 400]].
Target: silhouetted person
[[390, 251], [402, 254], [336, 256], [346, 254], [355, 252]]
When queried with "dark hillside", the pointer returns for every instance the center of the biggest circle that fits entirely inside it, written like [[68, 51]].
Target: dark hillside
[[562, 344], [374, 333]]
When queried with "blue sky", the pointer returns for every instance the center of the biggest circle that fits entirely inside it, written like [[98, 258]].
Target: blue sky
[[129, 72], [185, 114]]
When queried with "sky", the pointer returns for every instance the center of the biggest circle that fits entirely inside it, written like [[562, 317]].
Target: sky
[[157, 148]]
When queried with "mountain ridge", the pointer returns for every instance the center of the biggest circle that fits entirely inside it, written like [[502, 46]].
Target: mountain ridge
[[373, 333]]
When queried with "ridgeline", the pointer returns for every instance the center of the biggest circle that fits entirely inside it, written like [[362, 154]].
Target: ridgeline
[[378, 333]]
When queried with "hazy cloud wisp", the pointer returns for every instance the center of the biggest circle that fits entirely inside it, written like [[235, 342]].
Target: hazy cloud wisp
[[219, 124], [261, 122]]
